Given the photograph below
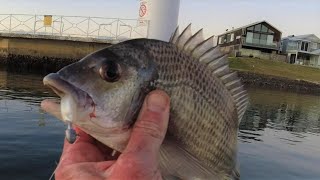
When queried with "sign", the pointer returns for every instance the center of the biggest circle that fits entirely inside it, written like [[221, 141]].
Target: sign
[[47, 20], [143, 10], [143, 13]]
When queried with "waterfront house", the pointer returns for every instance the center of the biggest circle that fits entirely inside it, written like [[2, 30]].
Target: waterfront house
[[259, 39], [303, 49]]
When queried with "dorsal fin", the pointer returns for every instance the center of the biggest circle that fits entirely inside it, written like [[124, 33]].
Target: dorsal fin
[[195, 40], [215, 60], [203, 47], [175, 36], [217, 63], [210, 55], [184, 37]]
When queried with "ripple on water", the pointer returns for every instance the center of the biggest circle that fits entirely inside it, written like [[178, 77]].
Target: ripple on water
[[280, 134]]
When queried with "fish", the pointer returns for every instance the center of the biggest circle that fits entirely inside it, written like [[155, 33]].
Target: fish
[[103, 93]]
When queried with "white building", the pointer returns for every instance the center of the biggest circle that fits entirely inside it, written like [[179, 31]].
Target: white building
[[303, 49]]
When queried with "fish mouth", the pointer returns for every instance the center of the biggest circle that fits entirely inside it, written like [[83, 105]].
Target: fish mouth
[[60, 86], [73, 99]]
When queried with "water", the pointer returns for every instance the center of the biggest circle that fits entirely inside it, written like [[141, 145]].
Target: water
[[279, 136], [30, 140]]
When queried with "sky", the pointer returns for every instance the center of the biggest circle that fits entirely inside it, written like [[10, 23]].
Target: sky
[[292, 17]]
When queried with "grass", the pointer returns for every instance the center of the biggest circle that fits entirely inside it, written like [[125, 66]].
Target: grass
[[276, 68]]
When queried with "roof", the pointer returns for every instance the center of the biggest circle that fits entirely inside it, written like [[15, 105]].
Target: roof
[[306, 37], [252, 24]]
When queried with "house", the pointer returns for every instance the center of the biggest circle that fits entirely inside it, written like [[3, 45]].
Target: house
[[256, 39], [303, 49]]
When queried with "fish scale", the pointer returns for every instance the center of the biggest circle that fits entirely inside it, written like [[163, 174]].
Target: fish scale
[[178, 126], [208, 101]]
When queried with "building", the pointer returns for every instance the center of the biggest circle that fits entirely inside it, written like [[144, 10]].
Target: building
[[259, 39], [304, 49]]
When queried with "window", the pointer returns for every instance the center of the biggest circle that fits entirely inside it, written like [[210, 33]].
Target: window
[[250, 28], [232, 37], [249, 37], [228, 37], [260, 34], [263, 39], [225, 37], [220, 40], [257, 27], [270, 40], [264, 29], [256, 37], [292, 45], [306, 46], [302, 46], [313, 46]]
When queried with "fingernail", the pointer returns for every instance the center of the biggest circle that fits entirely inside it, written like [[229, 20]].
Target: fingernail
[[157, 102]]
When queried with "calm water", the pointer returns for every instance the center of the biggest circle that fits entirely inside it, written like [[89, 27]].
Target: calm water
[[279, 136]]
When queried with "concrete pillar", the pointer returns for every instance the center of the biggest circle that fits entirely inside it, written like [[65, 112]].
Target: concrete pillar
[[162, 16], [4, 45]]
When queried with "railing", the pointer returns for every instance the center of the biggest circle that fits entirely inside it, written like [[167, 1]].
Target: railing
[[74, 26], [274, 45]]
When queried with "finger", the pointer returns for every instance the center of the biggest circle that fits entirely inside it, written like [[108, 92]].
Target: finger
[[151, 125], [51, 107]]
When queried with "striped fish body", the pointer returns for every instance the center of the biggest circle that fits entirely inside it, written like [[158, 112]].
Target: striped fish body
[[204, 117]]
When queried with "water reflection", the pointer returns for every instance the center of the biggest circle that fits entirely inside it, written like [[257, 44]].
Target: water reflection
[[27, 88], [281, 111], [30, 139], [280, 134]]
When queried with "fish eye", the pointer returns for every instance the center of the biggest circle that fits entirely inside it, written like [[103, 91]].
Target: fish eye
[[110, 71]]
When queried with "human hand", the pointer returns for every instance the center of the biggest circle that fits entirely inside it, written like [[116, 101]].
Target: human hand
[[89, 159]]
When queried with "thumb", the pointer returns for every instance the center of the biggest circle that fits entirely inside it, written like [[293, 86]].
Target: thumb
[[151, 125]]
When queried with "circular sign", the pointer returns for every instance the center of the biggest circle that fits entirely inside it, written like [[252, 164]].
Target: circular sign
[[143, 10]]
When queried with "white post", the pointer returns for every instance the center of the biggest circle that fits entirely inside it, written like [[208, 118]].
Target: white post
[[162, 16]]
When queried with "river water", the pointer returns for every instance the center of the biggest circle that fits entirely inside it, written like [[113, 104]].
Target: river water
[[279, 135]]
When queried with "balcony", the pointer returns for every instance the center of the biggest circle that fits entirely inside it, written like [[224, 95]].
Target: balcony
[[261, 44]]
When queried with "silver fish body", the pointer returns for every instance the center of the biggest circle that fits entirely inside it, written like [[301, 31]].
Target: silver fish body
[[207, 100]]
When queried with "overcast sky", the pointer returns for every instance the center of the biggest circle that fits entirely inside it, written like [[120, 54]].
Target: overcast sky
[[215, 16]]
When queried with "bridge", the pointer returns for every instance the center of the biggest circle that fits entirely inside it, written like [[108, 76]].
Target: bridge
[[79, 28], [49, 42]]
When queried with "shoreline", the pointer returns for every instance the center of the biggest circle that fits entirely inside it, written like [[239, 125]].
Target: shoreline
[[32, 64], [250, 79]]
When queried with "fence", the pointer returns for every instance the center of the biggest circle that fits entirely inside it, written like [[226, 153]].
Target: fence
[[74, 26]]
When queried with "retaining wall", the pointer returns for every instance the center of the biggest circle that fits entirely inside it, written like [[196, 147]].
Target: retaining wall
[[44, 55]]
